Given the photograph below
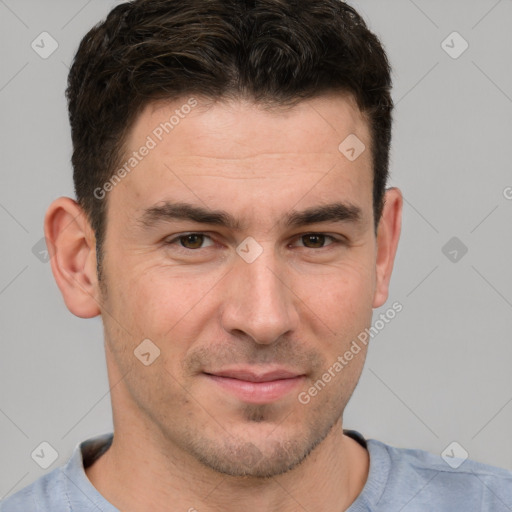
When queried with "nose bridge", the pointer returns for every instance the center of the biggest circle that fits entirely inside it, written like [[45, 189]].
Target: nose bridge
[[260, 304]]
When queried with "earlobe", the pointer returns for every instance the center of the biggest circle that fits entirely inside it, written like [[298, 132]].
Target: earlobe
[[388, 235], [72, 250]]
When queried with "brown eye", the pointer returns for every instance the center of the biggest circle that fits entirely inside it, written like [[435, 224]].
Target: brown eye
[[193, 241], [314, 241], [187, 243]]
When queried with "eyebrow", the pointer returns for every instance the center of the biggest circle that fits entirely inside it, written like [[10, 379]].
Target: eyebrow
[[169, 211]]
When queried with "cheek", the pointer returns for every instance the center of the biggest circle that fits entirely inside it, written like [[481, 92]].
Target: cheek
[[157, 300], [341, 294]]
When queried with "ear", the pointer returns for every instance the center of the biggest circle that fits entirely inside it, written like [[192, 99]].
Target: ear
[[72, 249], [388, 234]]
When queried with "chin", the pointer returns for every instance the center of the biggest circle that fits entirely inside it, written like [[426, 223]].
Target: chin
[[258, 450], [249, 461]]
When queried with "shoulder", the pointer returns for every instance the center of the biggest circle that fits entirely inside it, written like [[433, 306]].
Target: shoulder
[[45, 493], [433, 483], [66, 488]]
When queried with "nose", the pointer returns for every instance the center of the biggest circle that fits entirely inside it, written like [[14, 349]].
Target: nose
[[258, 301]]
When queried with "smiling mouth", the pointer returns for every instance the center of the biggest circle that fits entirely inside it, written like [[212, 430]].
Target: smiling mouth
[[256, 387]]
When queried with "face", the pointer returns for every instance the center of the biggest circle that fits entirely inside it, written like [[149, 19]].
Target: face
[[242, 245]]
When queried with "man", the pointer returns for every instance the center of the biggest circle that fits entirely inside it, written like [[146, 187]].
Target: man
[[234, 230]]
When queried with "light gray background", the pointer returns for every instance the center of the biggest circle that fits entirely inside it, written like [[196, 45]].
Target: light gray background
[[439, 372]]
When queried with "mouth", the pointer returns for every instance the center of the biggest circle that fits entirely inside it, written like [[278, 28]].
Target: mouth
[[257, 387]]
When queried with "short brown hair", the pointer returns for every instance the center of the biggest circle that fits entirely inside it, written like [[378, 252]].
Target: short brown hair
[[277, 52]]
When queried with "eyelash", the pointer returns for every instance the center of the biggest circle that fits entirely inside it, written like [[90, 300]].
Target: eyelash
[[176, 239]]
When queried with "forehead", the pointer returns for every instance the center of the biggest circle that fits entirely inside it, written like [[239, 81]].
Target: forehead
[[316, 125], [224, 151]]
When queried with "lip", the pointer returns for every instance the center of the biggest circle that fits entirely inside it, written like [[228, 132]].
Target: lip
[[256, 387]]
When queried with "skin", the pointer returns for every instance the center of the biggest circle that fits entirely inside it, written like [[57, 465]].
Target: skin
[[181, 440]]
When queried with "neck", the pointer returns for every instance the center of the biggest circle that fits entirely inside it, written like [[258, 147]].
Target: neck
[[141, 472]]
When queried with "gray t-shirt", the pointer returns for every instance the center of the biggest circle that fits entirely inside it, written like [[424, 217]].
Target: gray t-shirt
[[399, 480]]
